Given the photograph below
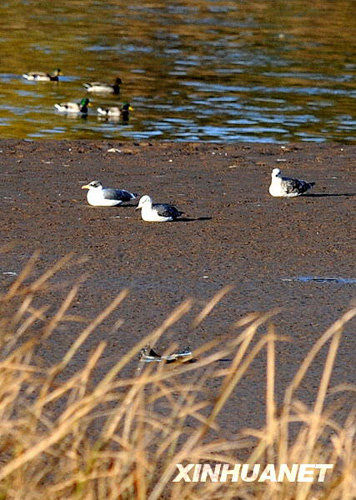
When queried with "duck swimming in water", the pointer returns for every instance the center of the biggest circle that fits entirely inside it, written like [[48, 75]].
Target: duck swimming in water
[[116, 112], [73, 107], [38, 76], [104, 88]]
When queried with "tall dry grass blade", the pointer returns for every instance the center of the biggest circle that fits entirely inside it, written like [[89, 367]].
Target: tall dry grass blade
[[271, 377], [45, 396], [38, 284], [131, 409], [267, 437], [24, 308], [140, 451], [58, 317], [150, 339], [19, 367], [251, 318], [35, 315], [142, 379], [348, 457], [33, 452], [84, 375], [330, 332], [335, 328], [182, 404], [270, 401], [315, 425], [84, 335], [22, 329], [210, 306], [64, 428], [56, 393], [25, 273], [324, 383], [236, 373]]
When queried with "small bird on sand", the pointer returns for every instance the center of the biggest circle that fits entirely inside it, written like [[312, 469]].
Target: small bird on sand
[[38, 76], [115, 112], [149, 355], [157, 212], [104, 88], [99, 196], [73, 107], [286, 187]]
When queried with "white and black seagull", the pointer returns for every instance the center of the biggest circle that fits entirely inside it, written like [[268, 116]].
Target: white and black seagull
[[157, 212], [99, 196], [286, 187]]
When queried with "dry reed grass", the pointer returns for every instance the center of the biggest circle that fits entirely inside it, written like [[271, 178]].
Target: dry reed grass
[[63, 437]]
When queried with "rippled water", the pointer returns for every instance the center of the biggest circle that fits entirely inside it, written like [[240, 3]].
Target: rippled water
[[313, 279], [193, 70]]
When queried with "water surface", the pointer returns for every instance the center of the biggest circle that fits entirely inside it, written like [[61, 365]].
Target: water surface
[[193, 70], [315, 279]]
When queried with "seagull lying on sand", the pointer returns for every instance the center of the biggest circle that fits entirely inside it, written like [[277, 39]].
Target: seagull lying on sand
[[99, 196], [287, 187], [73, 107], [157, 212]]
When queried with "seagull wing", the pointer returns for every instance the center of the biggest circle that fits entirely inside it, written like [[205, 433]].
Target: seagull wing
[[118, 194], [166, 210], [295, 185]]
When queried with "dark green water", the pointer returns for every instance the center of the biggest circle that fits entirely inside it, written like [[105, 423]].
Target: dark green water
[[193, 70]]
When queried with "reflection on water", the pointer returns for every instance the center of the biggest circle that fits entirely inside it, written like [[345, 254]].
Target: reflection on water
[[311, 279], [193, 69]]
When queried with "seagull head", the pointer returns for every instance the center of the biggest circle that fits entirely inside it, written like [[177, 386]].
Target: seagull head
[[276, 172], [93, 185], [144, 201]]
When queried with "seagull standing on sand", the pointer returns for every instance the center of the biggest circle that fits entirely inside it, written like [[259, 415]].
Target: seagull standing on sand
[[99, 196], [157, 212], [287, 187]]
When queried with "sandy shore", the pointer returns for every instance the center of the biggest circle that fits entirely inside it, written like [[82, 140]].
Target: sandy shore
[[233, 233]]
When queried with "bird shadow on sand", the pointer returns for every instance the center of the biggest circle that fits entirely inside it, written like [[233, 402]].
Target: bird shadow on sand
[[191, 219], [128, 205], [327, 195]]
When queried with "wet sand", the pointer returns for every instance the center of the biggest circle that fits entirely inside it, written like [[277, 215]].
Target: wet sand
[[232, 233]]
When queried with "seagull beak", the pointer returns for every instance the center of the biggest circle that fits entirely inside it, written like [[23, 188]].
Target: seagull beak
[[138, 207], [86, 186], [131, 108]]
